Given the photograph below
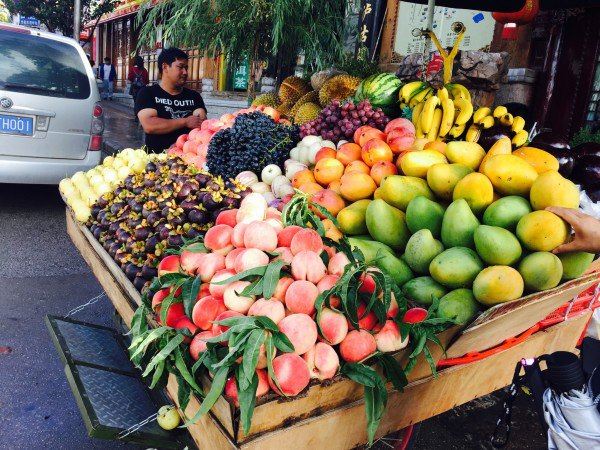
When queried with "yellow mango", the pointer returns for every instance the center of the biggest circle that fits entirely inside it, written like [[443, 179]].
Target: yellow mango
[[477, 190], [502, 146], [540, 160], [552, 189], [498, 284], [468, 154], [542, 231], [416, 164], [510, 175], [442, 178]]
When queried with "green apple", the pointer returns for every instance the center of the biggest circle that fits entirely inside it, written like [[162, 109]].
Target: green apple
[[168, 417]]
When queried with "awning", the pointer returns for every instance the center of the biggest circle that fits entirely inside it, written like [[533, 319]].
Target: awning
[[125, 8], [510, 5]]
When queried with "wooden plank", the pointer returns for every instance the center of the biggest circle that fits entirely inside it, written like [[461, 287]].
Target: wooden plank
[[388, 34], [511, 319], [345, 428]]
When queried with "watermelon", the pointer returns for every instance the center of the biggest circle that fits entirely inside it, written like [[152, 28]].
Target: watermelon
[[382, 91]]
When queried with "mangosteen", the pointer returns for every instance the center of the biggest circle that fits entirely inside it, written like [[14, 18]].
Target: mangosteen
[[191, 233], [101, 215], [105, 222], [112, 250], [150, 167], [184, 191], [198, 216], [151, 243], [114, 226], [188, 205], [153, 218], [165, 211], [148, 272], [123, 236], [95, 211], [134, 222], [163, 232], [244, 193], [175, 240], [102, 201], [209, 202], [230, 184], [97, 231], [148, 208], [202, 179], [141, 234], [230, 202]]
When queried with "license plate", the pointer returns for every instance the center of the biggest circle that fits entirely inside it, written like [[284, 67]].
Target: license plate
[[20, 125]]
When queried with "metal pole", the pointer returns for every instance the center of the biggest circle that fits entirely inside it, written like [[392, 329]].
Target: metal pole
[[430, 13], [76, 19]]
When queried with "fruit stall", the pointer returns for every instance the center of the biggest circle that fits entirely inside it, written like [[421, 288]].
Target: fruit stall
[[338, 261]]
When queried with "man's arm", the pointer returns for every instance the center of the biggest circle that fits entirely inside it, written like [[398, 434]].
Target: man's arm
[[155, 125], [200, 112]]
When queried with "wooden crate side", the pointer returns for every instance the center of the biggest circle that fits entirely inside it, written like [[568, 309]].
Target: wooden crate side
[[345, 428]]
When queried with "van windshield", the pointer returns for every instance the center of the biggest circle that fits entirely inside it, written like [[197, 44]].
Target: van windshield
[[40, 66]]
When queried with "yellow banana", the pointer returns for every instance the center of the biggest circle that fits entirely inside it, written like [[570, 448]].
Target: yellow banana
[[403, 105], [447, 117], [443, 94], [473, 133], [426, 118], [518, 124], [457, 130], [435, 126], [520, 138], [416, 114], [487, 122], [408, 90], [459, 91], [419, 97], [481, 114], [465, 111], [507, 120], [499, 111]]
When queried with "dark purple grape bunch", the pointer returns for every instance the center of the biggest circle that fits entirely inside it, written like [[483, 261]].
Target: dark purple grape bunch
[[340, 120]]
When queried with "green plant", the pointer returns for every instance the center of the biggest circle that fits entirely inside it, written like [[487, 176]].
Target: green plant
[[358, 66], [585, 135]]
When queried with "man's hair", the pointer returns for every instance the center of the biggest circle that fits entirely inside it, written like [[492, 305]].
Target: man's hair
[[138, 61], [107, 59], [169, 55]]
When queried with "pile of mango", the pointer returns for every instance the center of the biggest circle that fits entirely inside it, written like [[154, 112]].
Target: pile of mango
[[468, 226]]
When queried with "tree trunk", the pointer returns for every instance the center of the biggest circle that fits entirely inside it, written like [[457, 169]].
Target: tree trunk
[[254, 64]]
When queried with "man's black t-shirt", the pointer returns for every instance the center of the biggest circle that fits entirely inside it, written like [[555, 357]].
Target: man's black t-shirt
[[168, 107]]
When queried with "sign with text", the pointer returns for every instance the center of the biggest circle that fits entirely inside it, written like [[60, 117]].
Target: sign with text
[[240, 76], [29, 22]]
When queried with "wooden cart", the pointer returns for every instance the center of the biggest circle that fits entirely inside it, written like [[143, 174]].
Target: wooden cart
[[332, 415]]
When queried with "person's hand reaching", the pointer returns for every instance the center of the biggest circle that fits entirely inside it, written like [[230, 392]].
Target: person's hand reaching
[[193, 121], [586, 228]]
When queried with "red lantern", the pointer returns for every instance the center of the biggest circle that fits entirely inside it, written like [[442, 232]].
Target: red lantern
[[525, 15]]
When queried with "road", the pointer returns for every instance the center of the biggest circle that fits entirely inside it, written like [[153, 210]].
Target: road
[[42, 273]]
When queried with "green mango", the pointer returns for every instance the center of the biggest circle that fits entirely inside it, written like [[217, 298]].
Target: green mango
[[506, 212], [352, 219], [497, 246], [422, 213], [541, 271], [382, 256], [575, 264], [420, 250], [459, 225], [387, 224], [458, 305], [456, 267], [421, 290], [399, 190]]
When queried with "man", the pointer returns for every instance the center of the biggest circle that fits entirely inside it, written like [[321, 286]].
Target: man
[[107, 74], [167, 110]]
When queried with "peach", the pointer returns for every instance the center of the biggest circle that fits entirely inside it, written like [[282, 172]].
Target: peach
[[273, 309], [357, 186], [357, 346], [206, 310], [181, 140], [282, 286], [191, 260], [277, 224], [237, 236], [366, 320], [249, 259], [388, 339], [185, 323], [260, 235], [231, 256], [158, 297], [367, 285], [329, 250], [322, 361], [284, 238], [356, 166], [310, 188], [272, 113], [263, 386], [381, 170], [306, 239], [327, 283], [328, 170], [273, 213], [348, 152], [218, 239], [198, 344], [301, 296], [302, 177], [366, 133], [325, 152], [211, 264], [189, 147], [333, 326], [438, 146], [204, 290], [168, 264], [400, 123], [376, 150], [217, 328], [174, 313], [329, 200], [337, 263], [399, 141], [227, 217], [291, 373], [285, 254], [217, 290], [301, 330], [234, 300], [307, 265], [393, 309], [334, 186]]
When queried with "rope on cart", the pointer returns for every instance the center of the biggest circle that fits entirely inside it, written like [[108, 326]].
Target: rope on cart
[[85, 305], [132, 429]]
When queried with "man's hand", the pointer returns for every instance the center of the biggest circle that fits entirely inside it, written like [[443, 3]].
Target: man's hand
[[193, 121], [587, 231]]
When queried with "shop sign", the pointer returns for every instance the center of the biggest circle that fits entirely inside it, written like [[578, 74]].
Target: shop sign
[[240, 76], [29, 22]]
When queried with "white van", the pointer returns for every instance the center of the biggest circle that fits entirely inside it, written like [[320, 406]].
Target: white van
[[51, 121]]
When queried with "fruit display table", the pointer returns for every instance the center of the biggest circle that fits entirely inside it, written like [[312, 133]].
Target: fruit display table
[[332, 414]]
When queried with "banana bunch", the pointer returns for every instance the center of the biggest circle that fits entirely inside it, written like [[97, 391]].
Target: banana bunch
[[438, 114], [485, 118]]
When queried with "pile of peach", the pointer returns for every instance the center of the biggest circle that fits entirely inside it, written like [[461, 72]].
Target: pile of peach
[[356, 169], [247, 238]]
